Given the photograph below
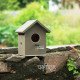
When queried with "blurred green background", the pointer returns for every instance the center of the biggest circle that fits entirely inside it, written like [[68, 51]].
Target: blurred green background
[[65, 27]]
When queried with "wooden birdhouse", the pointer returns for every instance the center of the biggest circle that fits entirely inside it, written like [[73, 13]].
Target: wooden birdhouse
[[32, 38]]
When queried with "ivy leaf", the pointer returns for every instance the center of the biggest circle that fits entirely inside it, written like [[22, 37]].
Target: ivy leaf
[[75, 72], [70, 68]]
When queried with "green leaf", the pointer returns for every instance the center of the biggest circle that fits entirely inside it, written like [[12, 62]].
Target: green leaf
[[75, 72], [70, 68]]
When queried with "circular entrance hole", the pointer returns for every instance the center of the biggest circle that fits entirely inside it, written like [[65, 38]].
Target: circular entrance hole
[[35, 37]]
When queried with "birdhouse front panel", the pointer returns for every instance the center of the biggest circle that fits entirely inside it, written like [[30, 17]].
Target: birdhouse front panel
[[35, 41]]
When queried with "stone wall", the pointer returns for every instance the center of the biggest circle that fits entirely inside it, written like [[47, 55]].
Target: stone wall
[[52, 66]]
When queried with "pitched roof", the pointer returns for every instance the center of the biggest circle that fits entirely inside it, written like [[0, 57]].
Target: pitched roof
[[27, 25]]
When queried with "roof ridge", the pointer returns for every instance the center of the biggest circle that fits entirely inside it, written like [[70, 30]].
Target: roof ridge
[[28, 24]]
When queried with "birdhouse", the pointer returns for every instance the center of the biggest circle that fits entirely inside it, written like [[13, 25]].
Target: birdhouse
[[32, 38]]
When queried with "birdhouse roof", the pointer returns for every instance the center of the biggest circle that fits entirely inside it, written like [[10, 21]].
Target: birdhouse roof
[[27, 25]]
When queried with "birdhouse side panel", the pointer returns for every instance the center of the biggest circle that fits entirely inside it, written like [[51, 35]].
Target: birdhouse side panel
[[21, 44], [35, 41]]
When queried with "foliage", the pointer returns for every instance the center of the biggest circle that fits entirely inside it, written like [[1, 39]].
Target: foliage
[[23, 3], [31, 12], [72, 67], [64, 30], [8, 4], [7, 30], [18, 4], [8, 35]]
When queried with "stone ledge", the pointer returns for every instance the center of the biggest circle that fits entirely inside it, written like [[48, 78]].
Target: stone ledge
[[9, 50], [49, 49]]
